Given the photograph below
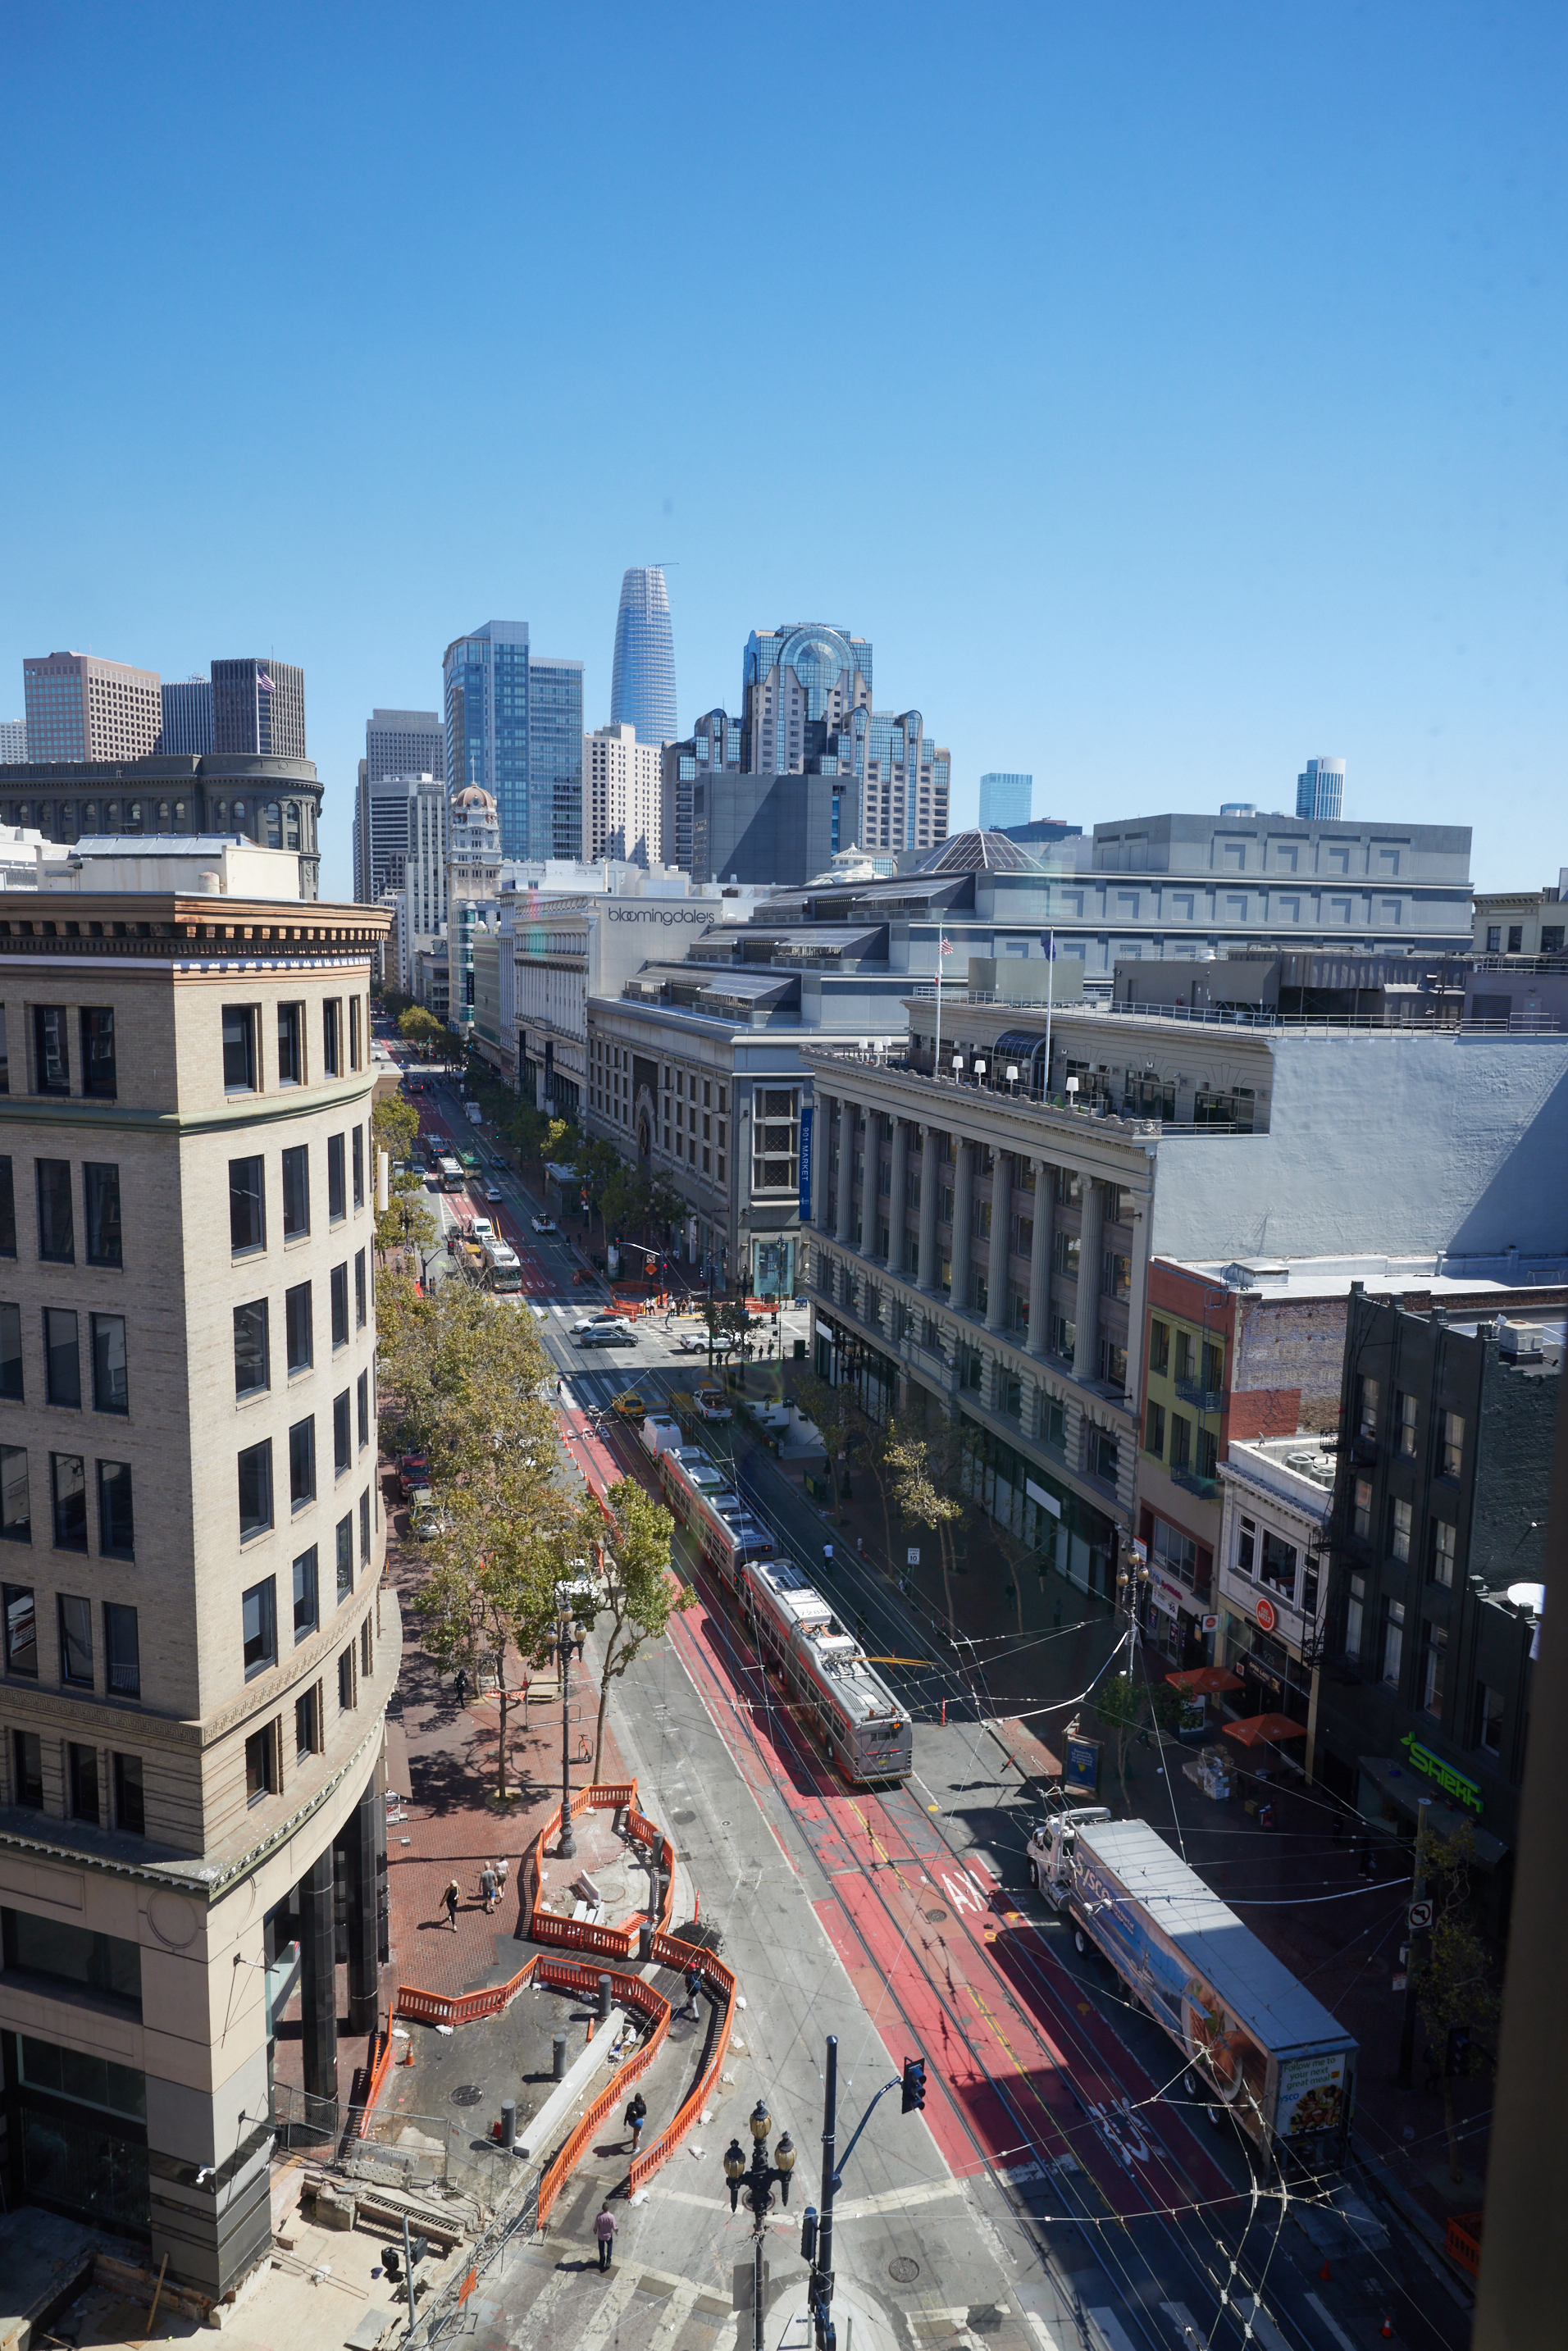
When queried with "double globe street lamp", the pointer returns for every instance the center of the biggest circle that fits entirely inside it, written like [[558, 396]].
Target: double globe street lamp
[[758, 2180]]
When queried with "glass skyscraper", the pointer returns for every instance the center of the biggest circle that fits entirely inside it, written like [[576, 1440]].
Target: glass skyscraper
[[514, 725], [1320, 790], [1004, 801], [642, 684]]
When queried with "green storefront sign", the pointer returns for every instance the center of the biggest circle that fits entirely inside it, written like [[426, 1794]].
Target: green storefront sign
[[1453, 1783]]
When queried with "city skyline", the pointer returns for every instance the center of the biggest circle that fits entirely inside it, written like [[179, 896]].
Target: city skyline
[[1107, 569]]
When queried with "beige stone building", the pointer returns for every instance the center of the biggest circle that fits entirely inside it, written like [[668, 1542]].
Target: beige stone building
[[197, 1651]]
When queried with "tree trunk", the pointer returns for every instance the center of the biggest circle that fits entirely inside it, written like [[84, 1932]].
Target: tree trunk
[[501, 1742], [1451, 2127], [603, 1703]]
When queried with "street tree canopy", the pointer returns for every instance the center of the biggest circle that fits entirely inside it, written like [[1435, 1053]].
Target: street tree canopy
[[630, 1537]]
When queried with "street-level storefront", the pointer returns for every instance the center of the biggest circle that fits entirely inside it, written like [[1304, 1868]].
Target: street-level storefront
[[1064, 1530], [1179, 1620], [1273, 1679], [845, 1357], [773, 1260]]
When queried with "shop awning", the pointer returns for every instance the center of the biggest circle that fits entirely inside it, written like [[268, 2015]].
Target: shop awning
[[1258, 1729], [1204, 1681]]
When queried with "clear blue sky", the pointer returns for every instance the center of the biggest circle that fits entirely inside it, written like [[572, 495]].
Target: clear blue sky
[[1168, 393]]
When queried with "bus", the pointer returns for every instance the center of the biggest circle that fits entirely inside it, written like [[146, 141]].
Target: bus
[[449, 1176], [470, 1162], [502, 1267]]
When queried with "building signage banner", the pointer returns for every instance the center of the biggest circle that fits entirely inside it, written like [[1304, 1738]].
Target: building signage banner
[[1453, 1783], [808, 1115]]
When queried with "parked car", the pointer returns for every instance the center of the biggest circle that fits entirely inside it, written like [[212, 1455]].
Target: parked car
[[606, 1335], [710, 1403], [412, 1472], [544, 1225]]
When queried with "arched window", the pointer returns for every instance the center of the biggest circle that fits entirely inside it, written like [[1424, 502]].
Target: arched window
[[111, 816], [24, 814], [223, 813], [133, 816], [274, 825], [239, 815], [291, 838], [179, 814], [162, 814], [90, 817]]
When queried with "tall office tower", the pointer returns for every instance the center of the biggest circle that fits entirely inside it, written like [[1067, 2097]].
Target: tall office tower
[[424, 867], [187, 718], [258, 708], [399, 745], [405, 743], [621, 796], [807, 711], [79, 707], [715, 747], [1004, 801], [514, 728], [642, 682], [198, 1649], [13, 742], [1319, 792], [798, 685]]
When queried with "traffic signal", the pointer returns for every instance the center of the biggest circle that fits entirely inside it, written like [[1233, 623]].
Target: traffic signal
[[808, 2234], [914, 2084], [1456, 2057]]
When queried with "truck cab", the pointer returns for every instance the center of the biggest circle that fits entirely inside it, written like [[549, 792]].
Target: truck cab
[[1049, 1850]]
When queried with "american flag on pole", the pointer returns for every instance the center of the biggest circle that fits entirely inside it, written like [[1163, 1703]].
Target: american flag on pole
[[263, 680], [946, 946]]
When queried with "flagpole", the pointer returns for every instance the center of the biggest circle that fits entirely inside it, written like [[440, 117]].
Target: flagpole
[[941, 944], [1049, 993]]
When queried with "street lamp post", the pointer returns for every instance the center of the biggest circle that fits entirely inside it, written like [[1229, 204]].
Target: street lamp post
[[759, 2182], [568, 1847]]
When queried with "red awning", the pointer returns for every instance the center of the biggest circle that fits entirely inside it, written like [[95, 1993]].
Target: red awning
[[1204, 1681], [1258, 1729]]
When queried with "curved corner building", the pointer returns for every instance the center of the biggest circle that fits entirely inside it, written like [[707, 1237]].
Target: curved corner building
[[643, 686]]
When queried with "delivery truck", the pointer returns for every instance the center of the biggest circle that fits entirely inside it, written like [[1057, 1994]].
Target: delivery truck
[[1258, 2045]]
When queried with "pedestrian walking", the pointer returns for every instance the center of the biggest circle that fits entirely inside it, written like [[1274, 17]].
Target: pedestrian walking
[[826, 1554], [453, 1896], [501, 1868], [461, 1687], [693, 1985], [604, 2229], [488, 1888], [636, 2116]]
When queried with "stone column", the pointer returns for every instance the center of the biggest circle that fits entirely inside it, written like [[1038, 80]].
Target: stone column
[[897, 1184], [870, 1195], [366, 1824], [318, 1979], [844, 1220], [963, 1204], [1039, 1258], [996, 1268], [928, 1184], [1086, 1353]]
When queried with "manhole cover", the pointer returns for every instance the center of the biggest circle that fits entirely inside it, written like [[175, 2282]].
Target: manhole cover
[[903, 2272], [934, 1917], [467, 2094], [683, 1817]]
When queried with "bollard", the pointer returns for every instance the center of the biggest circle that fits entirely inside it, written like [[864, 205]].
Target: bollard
[[645, 1943], [557, 2057], [604, 1992], [509, 2122]]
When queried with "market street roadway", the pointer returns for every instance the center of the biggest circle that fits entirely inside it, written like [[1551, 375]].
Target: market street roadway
[[1058, 2197]]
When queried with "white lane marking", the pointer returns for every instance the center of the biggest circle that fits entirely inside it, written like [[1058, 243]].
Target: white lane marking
[[1114, 2336], [1313, 2303], [610, 2311]]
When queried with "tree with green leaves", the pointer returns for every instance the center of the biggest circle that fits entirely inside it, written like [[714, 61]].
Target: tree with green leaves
[[1456, 1987], [425, 1032], [501, 1551], [917, 1469], [630, 1539], [1128, 1704], [728, 1323]]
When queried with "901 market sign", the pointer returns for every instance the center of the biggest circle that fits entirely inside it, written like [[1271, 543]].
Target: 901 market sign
[[1432, 1766]]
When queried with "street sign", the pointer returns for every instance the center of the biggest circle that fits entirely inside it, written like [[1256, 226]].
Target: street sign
[[1420, 1914], [912, 1556], [1267, 1620], [1211, 1624]]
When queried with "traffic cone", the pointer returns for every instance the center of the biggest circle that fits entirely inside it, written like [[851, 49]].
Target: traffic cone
[[1387, 2330], [1326, 2274]]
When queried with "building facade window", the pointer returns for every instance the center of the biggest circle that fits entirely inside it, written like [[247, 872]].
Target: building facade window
[[57, 1226], [252, 1354], [259, 1623], [248, 1205], [255, 1489], [116, 1518], [100, 1190], [239, 1049]]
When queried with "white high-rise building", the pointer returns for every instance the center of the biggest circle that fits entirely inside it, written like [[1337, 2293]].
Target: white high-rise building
[[13, 742], [622, 796]]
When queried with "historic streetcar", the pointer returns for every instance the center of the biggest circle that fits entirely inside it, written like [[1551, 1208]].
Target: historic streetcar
[[865, 1730]]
